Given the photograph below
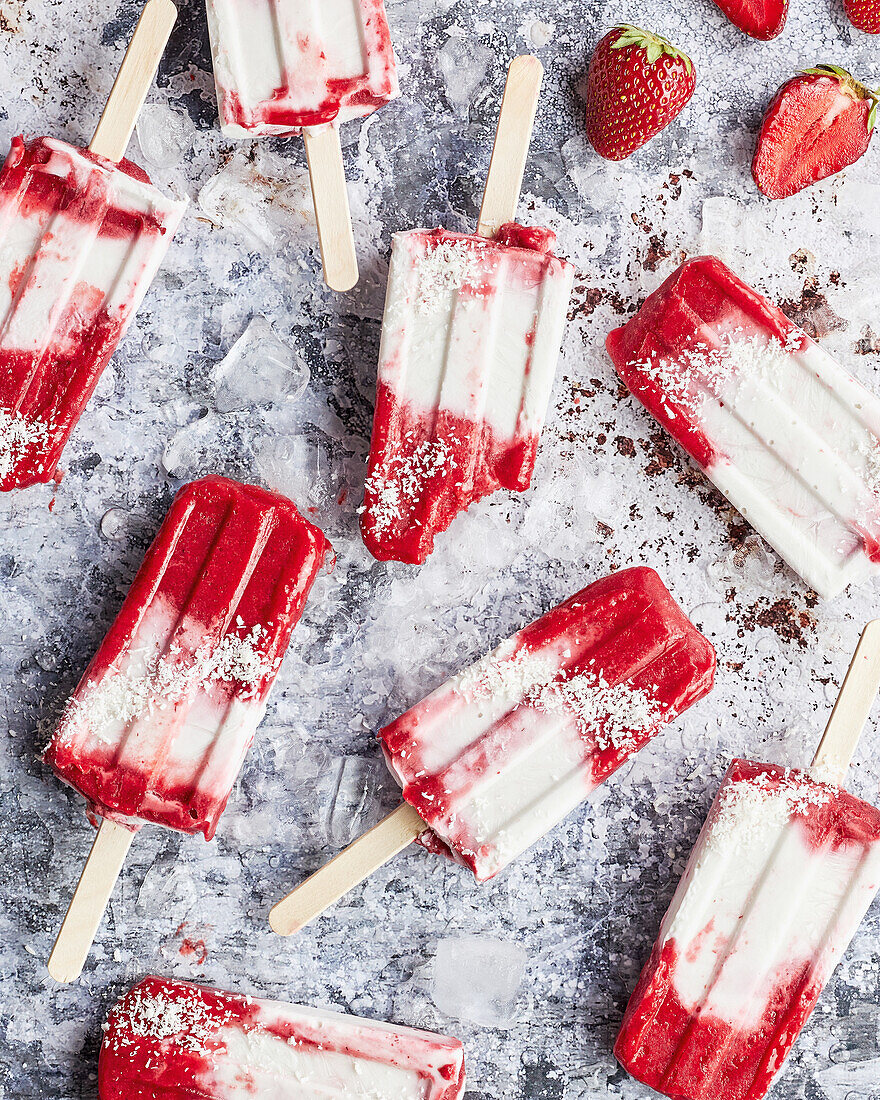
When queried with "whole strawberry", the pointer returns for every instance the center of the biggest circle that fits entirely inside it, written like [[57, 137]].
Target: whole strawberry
[[636, 86], [762, 19], [864, 14], [818, 123]]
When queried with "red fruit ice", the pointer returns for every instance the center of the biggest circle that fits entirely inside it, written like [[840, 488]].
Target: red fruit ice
[[819, 122], [864, 15], [760, 18], [637, 84]]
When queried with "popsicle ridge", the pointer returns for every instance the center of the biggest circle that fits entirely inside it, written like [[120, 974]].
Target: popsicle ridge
[[734, 975], [306, 64], [531, 730], [783, 431], [82, 239], [194, 649], [470, 337], [165, 1039]]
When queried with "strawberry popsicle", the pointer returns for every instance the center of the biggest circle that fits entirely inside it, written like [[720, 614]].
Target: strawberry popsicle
[[81, 239], [777, 883], [288, 66], [167, 1039], [164, 715], [789, 437], [282, 65], [470, 339], [82, 233], [780, 877], [492, 760]]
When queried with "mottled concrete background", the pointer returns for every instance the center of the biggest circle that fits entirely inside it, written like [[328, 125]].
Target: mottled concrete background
[[563, 932]]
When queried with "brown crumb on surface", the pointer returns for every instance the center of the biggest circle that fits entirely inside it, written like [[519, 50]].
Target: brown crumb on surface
[[868, 343], [812, 312], [782, 616]]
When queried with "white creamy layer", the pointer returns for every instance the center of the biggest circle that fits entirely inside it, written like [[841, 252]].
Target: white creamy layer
[[757, 902], [73, 272], [321, 1056], [490, 355], [161, 711], [799, 445], [259, 46], [514, 750]]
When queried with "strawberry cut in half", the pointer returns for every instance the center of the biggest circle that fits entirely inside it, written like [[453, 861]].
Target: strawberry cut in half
[[864, 15], [818, 122], [636, 85], [762, 19]]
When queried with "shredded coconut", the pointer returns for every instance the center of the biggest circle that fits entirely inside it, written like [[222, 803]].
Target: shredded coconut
[[188, 1020], [751, 807], [697, 373], [448, 267], [17, 435], [870, 449], [614, 716], [402, 481], [121, 697]]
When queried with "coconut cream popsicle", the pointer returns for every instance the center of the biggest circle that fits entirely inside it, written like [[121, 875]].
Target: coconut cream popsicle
[[780, 877], [492, 760], [163, 717], [789, 437], [470, 339], [82, 234], [166, 1039], [285, 67]]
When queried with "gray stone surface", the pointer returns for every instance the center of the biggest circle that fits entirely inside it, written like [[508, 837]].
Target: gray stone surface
[[609, 490]]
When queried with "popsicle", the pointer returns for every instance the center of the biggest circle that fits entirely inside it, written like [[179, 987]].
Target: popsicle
[[470, 338], [492, 760], [82, 233], [781, 875], [284, 67], [163, 717], [789, 437], [166, 1039]]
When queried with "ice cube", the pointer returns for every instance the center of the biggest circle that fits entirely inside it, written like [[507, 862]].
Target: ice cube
[[195, 449], [353, 807], [260, 198], [114, 523], [259, 369], [164, 135], [479, 978]]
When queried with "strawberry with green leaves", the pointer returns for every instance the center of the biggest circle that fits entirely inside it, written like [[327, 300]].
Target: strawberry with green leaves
[[637, 84], [818, 122], [864, 15]]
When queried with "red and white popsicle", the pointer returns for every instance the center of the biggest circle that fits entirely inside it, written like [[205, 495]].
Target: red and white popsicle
[[789, 437], [284, 67], [470, 340], [493, 759], [82, 233], [779, 879], [166, 1039], [163, 717]]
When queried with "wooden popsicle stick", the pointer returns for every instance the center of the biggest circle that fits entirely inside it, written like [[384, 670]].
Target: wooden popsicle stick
[[511, 148], [332, 213], [851, 709], [133, 80], [355, 863], [89, 901]]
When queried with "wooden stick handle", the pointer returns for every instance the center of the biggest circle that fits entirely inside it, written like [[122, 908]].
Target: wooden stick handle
[[511, 147], [89, 901], [133, 80], [355, 863], [851, 709], [330, 195]]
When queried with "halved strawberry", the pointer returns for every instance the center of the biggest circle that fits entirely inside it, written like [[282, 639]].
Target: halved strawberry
[[817, 123], [760, 18], [864, 15]]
